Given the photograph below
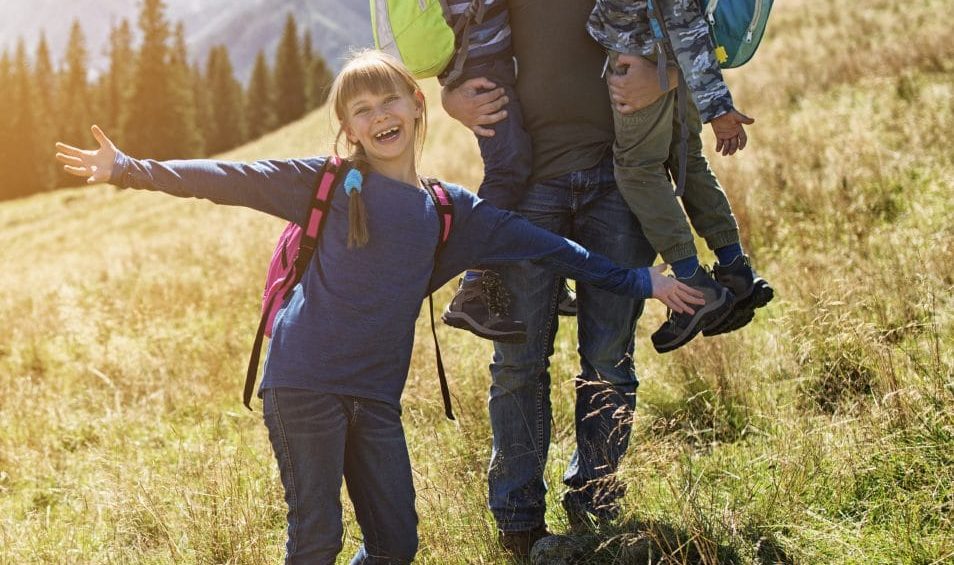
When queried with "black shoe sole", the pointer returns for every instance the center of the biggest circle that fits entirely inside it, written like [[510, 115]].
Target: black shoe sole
[[462, 321], [710, 316], [744, 310]]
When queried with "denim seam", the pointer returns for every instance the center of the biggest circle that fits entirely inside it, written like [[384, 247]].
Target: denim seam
[[291, 469], [549, 329]]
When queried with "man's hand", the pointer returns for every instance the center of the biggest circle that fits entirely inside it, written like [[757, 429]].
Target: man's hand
[[96, 166], [730, 135], [473, 108], [635, 83], [674, 294]]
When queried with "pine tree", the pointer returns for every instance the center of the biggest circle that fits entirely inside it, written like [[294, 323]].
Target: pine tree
[[23, 165], [203, 104], [317, 75], [182, 99], [118, 79], [74, 114], [7, 139], [44, 81], [258, 109], [289, 76], [225, 131], [319, 82], [153, 124]]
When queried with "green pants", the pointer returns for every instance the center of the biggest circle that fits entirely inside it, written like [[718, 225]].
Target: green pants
[[646, 149]]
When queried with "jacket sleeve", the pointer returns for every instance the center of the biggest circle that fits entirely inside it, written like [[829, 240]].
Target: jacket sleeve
[[484, 235], [281, 188], [693, 47]]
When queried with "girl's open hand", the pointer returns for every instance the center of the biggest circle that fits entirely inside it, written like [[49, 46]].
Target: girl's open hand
[[96, 166], [674, 294]]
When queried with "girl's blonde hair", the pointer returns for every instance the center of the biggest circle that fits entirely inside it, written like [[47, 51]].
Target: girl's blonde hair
[[375, 72]]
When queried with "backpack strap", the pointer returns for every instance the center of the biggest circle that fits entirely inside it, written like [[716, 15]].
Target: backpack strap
[[320, 204], [474, 14], [445, 213], [657, 21]]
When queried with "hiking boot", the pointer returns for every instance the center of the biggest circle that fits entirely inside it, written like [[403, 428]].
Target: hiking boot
[[567, 303], [751, 292], [519, 544], [679, 328], [482, 307]]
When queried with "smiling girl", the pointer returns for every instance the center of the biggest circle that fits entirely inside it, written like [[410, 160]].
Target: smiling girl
[[341, 344]]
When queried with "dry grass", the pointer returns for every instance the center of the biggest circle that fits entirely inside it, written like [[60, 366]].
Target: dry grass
[[822, 433]]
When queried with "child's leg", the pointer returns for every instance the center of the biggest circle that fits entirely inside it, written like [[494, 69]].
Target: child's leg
[[480, 303], [307, 431], [640, 153], [711, 215], [704, 200], [643, 139], [507, 155], [378, 474]]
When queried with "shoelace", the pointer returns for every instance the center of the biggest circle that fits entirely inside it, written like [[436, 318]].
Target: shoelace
[[498, 299]]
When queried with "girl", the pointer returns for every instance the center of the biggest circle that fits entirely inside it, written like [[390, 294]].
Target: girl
[[341, 345]]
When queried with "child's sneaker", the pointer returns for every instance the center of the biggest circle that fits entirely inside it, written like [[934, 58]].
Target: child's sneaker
[[482, 307], [679, 328], [751, 292], [567, 304]]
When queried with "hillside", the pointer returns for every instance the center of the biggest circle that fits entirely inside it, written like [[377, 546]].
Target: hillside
[[821, 433]]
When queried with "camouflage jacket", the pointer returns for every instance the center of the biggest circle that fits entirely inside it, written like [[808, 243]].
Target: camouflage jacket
[[623, 26]]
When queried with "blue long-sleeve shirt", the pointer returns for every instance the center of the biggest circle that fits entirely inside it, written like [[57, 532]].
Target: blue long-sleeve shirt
[[348, 326]]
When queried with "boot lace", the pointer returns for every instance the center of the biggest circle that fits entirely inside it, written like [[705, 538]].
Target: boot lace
[[498, 298]]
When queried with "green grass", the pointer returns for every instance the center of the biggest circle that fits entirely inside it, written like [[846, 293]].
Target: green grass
[[822, 433]]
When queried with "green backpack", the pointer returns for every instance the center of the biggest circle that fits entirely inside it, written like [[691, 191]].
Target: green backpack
[[417, 32]]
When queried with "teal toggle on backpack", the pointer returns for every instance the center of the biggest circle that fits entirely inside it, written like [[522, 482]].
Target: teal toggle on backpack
[[736, 27]]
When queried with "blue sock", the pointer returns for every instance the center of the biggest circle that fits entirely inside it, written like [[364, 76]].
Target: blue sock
[[684, 268], [728, 253], [471, 276]]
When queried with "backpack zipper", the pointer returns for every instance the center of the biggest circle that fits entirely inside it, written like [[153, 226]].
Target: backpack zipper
[[710, 11], [756, 16]]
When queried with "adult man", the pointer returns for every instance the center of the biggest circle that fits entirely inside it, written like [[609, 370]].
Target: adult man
[[573, 192]]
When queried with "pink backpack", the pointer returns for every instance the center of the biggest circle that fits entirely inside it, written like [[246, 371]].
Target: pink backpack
[[294, 250]]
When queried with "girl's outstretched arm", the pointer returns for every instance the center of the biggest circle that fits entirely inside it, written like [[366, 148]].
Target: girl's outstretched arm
[[281, 188]]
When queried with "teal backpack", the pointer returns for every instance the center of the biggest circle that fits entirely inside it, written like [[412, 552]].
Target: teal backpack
[[736, 27]]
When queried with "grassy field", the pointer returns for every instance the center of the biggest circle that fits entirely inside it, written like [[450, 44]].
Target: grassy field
[[822, 433]]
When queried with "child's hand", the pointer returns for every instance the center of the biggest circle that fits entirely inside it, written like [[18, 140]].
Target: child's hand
[[730, 135], [674, 294], [96, 166]]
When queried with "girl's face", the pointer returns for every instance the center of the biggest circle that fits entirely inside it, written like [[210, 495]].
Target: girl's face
[[384, 124]]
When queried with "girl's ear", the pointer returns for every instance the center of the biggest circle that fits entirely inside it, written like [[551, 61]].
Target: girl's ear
[[349, 133], [419, 99]]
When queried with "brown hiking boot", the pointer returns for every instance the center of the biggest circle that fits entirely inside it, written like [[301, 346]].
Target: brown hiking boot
[[520, 543]]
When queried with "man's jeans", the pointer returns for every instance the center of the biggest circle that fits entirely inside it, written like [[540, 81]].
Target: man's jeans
[[584, 206], [317, 439]]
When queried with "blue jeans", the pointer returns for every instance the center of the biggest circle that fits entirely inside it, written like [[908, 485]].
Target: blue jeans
[[320, 438], [507, 156], [587, 207]]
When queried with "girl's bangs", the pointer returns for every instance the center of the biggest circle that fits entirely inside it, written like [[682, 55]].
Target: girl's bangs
[[371, 75]]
